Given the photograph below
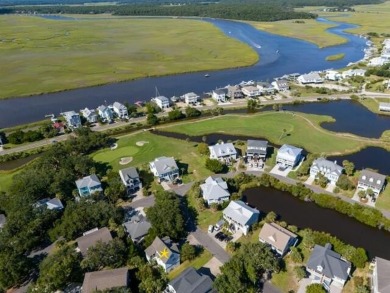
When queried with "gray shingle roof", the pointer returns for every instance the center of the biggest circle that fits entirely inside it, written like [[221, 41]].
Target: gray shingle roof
[[330, 261], [223, 149], [88, 181], [190, 281], [118, 106], [54, 203], [162, 99], [214, 189], [282, 83], [371, 178], [257, 146], [222, 91], [330, 166], [383, 274], [86, 241], [128, 173], [137, 227], [290, 150], [107, 279], [165, 164], [160, 245], [239, 212]]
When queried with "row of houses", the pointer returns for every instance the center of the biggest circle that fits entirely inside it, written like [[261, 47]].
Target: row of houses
[[384, 58], [332, 75]]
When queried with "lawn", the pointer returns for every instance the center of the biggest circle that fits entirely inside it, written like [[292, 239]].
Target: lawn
[[270, 125], [41, 55], [197, 263], [184, 152], [383, 201], [311, 31], [373, 104], [6, 179]]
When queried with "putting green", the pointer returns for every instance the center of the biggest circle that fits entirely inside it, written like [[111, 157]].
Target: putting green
[[113, 156]]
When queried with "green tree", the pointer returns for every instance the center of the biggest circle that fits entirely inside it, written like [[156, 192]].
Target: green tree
[[321, 180], [115, 189], [192, 112], [187, 252], [203, 149], [152, 119], [214, 165], [252, 105], [271, 217], [344, 183], [296, 255], [14, 268], [300, 272], [315, 288], [349, 167], [152, 278], [175, 115]]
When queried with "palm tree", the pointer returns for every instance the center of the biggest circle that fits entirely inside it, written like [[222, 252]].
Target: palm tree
[[283, 133]]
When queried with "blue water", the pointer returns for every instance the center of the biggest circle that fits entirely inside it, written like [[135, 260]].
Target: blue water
[[294, 56]]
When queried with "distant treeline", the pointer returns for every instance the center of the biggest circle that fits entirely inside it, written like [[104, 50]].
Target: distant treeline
[[302, 3], [256, 12]]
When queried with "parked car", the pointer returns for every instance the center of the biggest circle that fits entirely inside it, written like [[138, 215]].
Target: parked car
[[211, 229]]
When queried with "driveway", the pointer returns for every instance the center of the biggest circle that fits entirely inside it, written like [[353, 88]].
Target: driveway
[[310, 180], [182, 189], [275, 170], [213, 266], [145, 202]]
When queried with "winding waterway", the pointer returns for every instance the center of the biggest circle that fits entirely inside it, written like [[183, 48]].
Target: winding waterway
[[278, 56]]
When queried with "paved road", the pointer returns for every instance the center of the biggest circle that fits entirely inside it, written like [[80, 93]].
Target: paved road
[[145, 202]]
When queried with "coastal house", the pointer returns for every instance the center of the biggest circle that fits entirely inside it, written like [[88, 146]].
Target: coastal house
[[89, 185], [105, 113], [381, 276], [50, 204], [240, 216], [332, 75], [378, 61], [120, 110], [190, 281], [289, 155], [162, 102], [90, 115], [219, 95], [91, 238], [190, 98], [164, 252], [312, 77], [250, 91], [371, 180], [329, 169], [106, 280], [3, 220], [137, 227], [328, 267], [72, 119], [353, 72], [281, 85], [130, 179], [215, 190], [223, 151], [256, 149], [234, 92], [265, 88], [385, 107], [165, 169], [279, 238]]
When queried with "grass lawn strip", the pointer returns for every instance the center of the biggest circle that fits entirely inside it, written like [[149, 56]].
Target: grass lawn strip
[[335, 57], [197, 263]]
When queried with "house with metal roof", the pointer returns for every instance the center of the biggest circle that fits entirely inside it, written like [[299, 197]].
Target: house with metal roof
[[190, 98], [215, 190], [165, 169], [312, 77], [91, 238], [250, 91], [381, 276], [105, 280], [164, 252], [371, 180], [289, 155], [72, 118], [137, 228], [265, 88], [256, 149], [130, 179], [90, 115], [120, 110], [89, 185], [162, 102], [328, 267], [219, 95], [281, 85], [384, 107], [279, 238], [50, 204], [105, 113], [240, 216], [329, 169], [223, 152], [190, 281]]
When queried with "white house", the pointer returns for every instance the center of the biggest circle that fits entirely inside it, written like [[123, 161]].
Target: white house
[[332, 75], [281, 85], [164, 252], [50, 204], [223, 152], [215, 190], [289, 155], [265, 88], [250, 91], [219, 95], [378, 61], [240, 216], [90, 115], [105, 113], [385, 107], [162, 102], [165, 169], [256, 149], [120, 110], [190, 98], [353, 72], [380, 276], [371, 180], [279, 238], [130, 179], [72, 119], [328, 267], [312, 77], [234, 92], [329, 169]]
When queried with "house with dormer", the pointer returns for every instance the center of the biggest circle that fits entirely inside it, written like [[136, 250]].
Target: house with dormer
[[120, 110], [234, 92], [89, 185], [223, 151], [165, 169], [329, 169], [289, 155], [279, 238], [265, 88], [219, 95], [164, 252], [256, 149], [328, 267], [215, 190], [281, 85], [162, 102], [190, 98], [72, 118], [240, 216], [130, 179], [371, 180], [105, 113], [250, 91], [90, 115]]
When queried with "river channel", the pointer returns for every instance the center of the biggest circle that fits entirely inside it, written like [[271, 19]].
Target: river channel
[[278, 56], [309, 215]]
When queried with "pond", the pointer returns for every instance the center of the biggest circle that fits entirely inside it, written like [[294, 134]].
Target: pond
[[309, 215], [11, 165]]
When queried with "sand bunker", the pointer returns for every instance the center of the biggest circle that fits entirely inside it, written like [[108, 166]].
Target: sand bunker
[[141, 143], [113, 146], [125, 160]]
